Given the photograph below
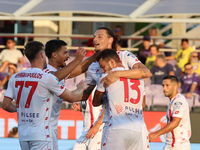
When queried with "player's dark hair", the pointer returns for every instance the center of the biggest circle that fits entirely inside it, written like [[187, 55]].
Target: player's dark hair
[[154, 45], [32, 49], [184, 40], [110, 33], [108, 54], [12, 39], [171, 78], [53, 46]]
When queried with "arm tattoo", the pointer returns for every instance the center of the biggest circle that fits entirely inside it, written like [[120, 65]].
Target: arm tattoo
[[98, 98]]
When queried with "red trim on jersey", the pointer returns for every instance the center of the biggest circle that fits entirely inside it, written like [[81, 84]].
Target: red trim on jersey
[[100, 91], [136, 63], [91, 110], [8, 97], [46, 70], [170, 118], [62, 93]]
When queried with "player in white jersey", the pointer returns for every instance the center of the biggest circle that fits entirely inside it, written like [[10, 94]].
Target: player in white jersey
[[178, 126], [104, 38], [125, 98], [91, 124], [33, 91], [57, 54]]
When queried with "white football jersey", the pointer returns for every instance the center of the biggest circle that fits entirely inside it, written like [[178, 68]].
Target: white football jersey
[[94, 73], [55, 113], [33, 91], [125, 97], [179, 107], [90, 115]]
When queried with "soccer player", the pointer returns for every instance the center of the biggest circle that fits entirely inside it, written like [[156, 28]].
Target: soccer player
[[104, 38], [57, 54], [33, 91], [178, 128], [127, 129]]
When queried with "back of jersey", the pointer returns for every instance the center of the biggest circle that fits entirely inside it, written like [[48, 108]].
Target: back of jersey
[[125, 98], [33, 96]]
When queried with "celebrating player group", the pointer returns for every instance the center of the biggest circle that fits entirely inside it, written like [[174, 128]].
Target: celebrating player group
[[112, 98]]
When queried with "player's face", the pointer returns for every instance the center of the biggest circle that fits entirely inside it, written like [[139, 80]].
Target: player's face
[[62, 56], [169, 88], [185, 45], [101, 40], [106, 66]]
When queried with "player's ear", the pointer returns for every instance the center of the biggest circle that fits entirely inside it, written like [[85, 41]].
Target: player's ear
[[54, 54], [110, 40]]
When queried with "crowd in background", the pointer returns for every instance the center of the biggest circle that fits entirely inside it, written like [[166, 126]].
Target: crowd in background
[[185, 64]]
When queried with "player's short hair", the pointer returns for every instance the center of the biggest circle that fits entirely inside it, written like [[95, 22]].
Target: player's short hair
[[32, 49], [154, 45], [111, 34], [12, 39], [108, 54], [171, 78], [53, 46], [161, 56]]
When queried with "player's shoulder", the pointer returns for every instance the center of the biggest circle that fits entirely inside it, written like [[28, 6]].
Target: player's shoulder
[[94, 66], [180, 100]]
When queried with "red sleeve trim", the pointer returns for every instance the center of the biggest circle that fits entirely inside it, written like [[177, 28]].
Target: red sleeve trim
[[62, 93], [136, 63], [8, 97], [100, 91]]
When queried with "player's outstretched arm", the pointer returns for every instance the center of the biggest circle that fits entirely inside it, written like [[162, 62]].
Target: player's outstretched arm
[[81, 68], [87, 93], [73, 96], [64, 72], [97, 100], [76, 107], [8, 106], [138, 71], [169, 127]]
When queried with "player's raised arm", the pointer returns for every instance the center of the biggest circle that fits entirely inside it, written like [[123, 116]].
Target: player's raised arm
[[64, 72], [81, 68], [97, 100], [138, 71]]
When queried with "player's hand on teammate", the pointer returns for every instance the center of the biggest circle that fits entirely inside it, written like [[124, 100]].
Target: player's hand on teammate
[[92, 132], [110, 78], [82, 85], [152, 136], [76, 107], [80, 53]]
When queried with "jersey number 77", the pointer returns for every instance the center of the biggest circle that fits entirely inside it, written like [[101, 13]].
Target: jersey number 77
[[21, 86], [134, 86]]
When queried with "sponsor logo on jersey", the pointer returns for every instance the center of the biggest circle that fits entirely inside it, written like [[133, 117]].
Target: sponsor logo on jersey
[[118, 108], [176, 112]]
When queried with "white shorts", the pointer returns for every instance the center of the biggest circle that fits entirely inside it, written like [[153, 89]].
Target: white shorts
[[55, 139], [184, 146], [36, 145], [123, 139]]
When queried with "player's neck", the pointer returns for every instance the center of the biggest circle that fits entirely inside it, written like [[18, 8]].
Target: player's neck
[[54, 64]]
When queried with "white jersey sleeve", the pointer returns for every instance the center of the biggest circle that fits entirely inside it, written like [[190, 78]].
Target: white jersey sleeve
[[54, 85], [179, 107], [128, 59], [100, 86], [89, 79], [10, 92]]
